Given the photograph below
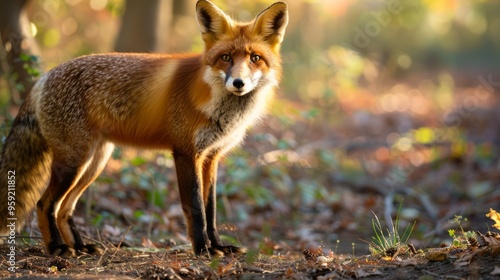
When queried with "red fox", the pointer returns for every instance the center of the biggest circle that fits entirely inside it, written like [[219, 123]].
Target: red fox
[[198, 106]]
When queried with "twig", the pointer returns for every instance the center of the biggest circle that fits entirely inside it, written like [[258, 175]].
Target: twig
[[102, 255], [121, 240], [100, 239]]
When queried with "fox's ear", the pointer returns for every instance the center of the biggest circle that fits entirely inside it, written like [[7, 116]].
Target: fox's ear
[[212, 21], [271, 23]]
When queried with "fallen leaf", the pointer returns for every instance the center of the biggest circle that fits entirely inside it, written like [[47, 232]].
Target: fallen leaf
[[323, 261], [465, 256], [496, 271], [289, 272], [224, 269], [360, 273], [408, 262], [461, 264], [495, 250], [491, 240], [436, 256], [490, 243], [147, 243], [310, 255], [495, 216]]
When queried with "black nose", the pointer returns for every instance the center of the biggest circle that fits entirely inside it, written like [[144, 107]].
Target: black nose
[[238, 83]]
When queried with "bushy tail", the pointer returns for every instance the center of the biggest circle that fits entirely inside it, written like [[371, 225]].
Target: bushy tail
[[24, 169]]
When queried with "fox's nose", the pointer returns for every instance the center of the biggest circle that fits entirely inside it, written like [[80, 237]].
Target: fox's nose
[[238, 83]]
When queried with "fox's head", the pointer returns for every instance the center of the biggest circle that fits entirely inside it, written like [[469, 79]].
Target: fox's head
[[242, 56]]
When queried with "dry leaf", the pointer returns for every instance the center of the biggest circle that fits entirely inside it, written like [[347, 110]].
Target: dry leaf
[[323, 261], [464, 260], [495, 216], [496, 271], [360, 273], [436, 256], [491, 240], [465, 256], [310, 255], [223, 269], [289, 272], [495, 250], [147, 243], [490, 243], [408, 262], [461, 264]]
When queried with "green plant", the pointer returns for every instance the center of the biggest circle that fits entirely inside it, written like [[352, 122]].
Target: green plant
[[389, 243], [461, 241], [31, 64]]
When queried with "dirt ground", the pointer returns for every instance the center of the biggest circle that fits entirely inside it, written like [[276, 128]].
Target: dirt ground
[[481, 262]]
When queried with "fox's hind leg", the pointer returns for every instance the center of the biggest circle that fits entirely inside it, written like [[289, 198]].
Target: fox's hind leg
[[65, 222], [64, 175]]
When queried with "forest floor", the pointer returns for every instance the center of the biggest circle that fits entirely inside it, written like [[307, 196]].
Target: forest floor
[[471, 263], [304, 197]]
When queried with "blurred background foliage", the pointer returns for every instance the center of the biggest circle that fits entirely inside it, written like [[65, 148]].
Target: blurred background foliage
[[380, 101]]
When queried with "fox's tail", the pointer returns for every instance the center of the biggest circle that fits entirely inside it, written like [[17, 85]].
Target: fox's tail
[[24, 169]]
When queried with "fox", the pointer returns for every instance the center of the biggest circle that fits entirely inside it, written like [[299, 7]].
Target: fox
[[198, 106]]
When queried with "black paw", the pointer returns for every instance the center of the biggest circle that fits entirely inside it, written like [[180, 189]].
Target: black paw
[[220, 250], [90, 249], [213, 252], [62, 250], [228, 250]]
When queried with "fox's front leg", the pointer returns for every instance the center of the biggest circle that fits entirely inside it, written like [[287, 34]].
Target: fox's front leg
[[210, 164], [189, 180]]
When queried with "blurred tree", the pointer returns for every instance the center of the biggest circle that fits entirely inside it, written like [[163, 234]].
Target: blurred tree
[[18, 54], [183, 17], [144, 27], [148, 28]]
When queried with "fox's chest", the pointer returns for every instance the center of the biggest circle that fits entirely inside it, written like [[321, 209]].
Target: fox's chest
[[229, 117]]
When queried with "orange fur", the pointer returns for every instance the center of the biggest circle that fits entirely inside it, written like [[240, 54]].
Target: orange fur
[[198, 106]]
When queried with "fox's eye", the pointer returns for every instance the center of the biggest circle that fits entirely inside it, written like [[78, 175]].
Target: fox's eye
[[255, 58], [226, 57]]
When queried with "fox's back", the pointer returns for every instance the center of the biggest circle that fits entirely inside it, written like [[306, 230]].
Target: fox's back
[[114, 82], [121, 96]]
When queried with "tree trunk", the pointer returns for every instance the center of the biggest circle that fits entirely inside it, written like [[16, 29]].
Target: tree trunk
[[141, 25], [19, 53], [183, 13]]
